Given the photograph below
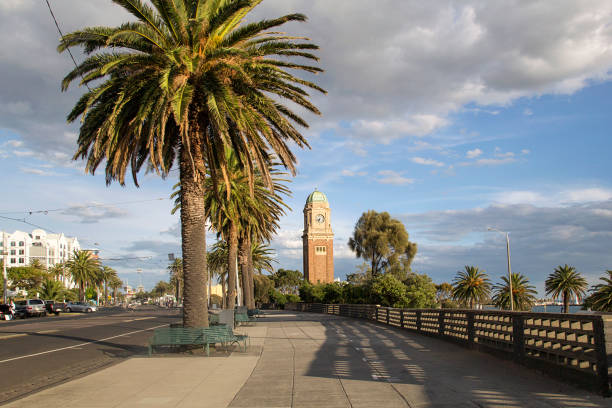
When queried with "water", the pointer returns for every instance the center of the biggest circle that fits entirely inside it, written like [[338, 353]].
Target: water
[[558, 309]]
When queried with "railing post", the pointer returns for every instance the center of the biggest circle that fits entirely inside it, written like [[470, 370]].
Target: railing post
[[402, 318], [471, 331], [376, 313], [440, 322], [602, 356], [518, 337], [418, 320], [387, 315]]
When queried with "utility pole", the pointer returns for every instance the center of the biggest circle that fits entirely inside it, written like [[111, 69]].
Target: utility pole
[[4, 260], [507, 234]]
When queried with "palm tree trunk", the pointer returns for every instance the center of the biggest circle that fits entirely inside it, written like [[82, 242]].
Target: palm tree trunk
[[244, 275], [250, 272], [565, 302], [105, 293], [223, 292], [232, 253], [193, 234]]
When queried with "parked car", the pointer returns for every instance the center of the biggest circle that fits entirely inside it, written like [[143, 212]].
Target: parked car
[[54, 307], [80, 307], [31, 307]]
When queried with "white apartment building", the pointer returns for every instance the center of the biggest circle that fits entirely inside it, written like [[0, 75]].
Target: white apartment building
[[50, 249]]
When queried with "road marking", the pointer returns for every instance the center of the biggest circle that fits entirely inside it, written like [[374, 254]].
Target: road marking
[[145, 318], [11, 336], [79, 345], [46, 331]]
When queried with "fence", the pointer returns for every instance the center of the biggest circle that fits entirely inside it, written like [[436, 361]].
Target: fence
[[570, 346]]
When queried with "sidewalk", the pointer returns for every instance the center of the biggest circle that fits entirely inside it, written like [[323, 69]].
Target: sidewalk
[[313, 360], [160, 381]]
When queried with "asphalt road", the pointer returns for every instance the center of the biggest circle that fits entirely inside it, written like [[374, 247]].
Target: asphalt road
[[37, 353]]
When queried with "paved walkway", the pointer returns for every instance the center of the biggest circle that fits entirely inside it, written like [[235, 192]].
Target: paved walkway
[[312, 360]]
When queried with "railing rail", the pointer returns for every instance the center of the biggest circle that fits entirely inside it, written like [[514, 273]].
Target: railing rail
[[570, 346]]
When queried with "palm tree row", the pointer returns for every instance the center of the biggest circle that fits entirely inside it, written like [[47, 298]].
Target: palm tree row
[[87, 271], [179, 86], [473, 286]]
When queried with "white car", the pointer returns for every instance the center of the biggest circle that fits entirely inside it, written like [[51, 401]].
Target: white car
[[80, 307]]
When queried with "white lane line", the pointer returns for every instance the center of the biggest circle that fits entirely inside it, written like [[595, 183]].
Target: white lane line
[[79, 345], [12, 336], [145, 318]]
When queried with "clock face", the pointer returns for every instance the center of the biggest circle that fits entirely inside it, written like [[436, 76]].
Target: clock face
[[320, 218]]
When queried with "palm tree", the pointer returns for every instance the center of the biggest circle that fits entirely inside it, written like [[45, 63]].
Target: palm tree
[[217, 264], [182, 82], [471, 285], [84, 270], [601, 295], [177, 277], [565, 282], [523, 294], [52, 290], [107, 274], [115, 283]]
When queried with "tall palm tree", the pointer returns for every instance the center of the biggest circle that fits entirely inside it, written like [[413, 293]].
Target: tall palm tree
[[184, 80], [84, 269], [471, 285], [177, 278], [217, 263], [115, 283], [107, 274], [565, 281], [601, 295], [523, 294]]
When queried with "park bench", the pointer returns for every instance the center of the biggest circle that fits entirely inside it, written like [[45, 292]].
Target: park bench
[[254, 312], [213, 318], [243, 318], [205, 336]]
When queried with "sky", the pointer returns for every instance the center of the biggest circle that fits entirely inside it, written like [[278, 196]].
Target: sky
[[453, 116]]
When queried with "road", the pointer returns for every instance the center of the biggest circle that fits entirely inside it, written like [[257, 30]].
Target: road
[[39, 352]]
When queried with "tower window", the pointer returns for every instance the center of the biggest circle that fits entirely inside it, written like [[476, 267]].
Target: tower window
[[320, 250]]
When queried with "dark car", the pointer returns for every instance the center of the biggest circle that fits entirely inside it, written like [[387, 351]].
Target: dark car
[[54, 307], [31, 307]]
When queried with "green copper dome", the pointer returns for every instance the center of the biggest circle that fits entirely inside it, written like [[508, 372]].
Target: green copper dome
[[316, 197]]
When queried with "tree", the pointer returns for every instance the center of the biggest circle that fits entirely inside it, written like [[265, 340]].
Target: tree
[[310, 293], [287, 281], [601, 295], [52, 290], [26, 277], [523, 293], [176, 277], [384, 242], [471, 286], [565, 282], [161, 288], [420, 291], [184, 80], [84, 269], [444, 291], [107, 274], [389, 291], [262, 286], [115, 283]]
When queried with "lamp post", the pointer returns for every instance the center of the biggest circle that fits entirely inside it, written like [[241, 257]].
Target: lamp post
[[509, 269]]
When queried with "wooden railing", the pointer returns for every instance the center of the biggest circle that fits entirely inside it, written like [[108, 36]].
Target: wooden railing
[[570, 346]]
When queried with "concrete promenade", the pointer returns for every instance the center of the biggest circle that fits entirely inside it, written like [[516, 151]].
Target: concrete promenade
[[313, 360]]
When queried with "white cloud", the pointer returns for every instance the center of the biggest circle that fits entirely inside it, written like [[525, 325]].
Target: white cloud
[[392, 177], [527, 112], [427, 162], [489, 162], [472, 154], [525, 151], [557, 198], [91, 213], [351, 173]]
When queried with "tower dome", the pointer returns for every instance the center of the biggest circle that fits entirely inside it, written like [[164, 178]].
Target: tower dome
[[316, 197]]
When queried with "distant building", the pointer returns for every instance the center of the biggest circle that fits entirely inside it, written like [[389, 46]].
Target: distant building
[[50, 249], [95, 253]]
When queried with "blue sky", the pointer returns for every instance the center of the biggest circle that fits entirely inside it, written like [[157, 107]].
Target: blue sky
[[450, 117]]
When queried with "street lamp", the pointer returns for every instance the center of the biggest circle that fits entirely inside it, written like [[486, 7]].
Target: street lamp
[[509, 269], [4, 260]]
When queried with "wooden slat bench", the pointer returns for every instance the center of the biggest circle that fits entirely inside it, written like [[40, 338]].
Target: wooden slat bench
[[243, 318], [204, 336]]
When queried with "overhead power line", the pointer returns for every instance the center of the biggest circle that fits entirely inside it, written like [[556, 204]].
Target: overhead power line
[[59, 30], [31, 212]]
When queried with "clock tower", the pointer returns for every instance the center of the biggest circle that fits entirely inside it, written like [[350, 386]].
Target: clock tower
[[318, 240]]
